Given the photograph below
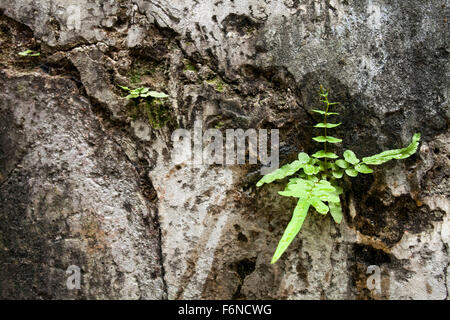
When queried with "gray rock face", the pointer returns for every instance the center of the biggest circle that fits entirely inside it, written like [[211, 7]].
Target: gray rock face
[[86, 177], [69, 196]]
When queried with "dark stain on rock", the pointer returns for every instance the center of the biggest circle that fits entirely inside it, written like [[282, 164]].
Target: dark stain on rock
[[239, 23], [30, 251], [389, 222], [369, 255], [10, 151], [362, 256], [241, 237], [243, 268], [302, 272], [127, 206]]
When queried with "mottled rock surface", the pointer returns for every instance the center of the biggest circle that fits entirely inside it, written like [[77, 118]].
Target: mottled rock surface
[[87, 180]]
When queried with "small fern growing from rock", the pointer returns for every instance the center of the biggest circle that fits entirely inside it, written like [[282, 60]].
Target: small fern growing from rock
[[315, 178]]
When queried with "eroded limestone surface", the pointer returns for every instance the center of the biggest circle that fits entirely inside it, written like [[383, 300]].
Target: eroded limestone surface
[[86, 180]]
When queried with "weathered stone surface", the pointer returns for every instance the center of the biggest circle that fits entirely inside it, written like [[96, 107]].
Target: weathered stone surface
[[232, 64], [69, 196]]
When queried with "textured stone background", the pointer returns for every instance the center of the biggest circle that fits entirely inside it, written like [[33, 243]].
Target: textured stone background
[[84, 182]]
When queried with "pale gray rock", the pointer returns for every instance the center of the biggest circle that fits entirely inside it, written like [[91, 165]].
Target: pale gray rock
[[69, 196]]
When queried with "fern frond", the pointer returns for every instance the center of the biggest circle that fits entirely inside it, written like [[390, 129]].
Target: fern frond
[[394, 154]]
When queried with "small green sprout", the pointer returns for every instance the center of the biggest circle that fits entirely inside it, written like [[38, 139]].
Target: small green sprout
[[29, 53], [143, 93], [316, 183]]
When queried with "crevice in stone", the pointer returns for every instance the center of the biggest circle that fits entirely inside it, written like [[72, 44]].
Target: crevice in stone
[[243, 268], [446, 282], [446, 267], [145, 183], [161, 255], [149, 191]]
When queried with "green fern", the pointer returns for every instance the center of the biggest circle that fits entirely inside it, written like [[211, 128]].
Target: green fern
[[143, 93], [315, 181]]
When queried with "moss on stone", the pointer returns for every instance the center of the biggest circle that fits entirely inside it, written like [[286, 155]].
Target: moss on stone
[[141, 68], [219, 125], [158, 113], [189, 66], [218, 83], [20, 88]]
